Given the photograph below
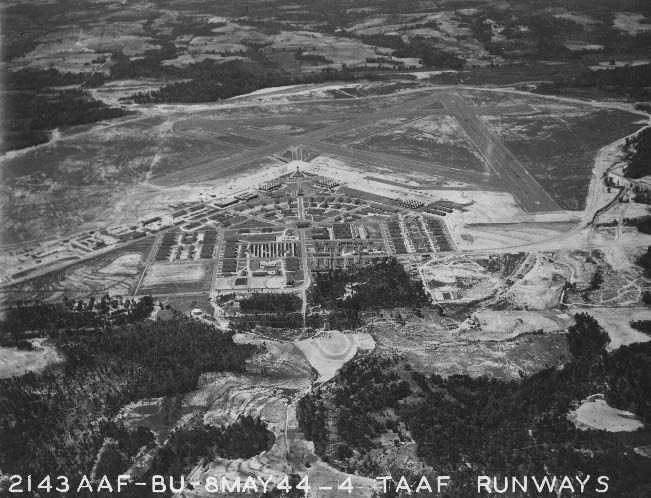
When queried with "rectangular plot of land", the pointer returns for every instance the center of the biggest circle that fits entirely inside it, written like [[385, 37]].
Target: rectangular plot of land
[[176, 278], [438, 139]]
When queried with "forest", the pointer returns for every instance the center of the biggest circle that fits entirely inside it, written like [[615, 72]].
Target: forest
[[33, 107], [346, 293], [627, 81], [50, 425], [245, 438], [270, 303], [642, 326], [638, 151], [642, 223], [23, 320], [282, 320], [467, 426], [644, 261], [210, 82]]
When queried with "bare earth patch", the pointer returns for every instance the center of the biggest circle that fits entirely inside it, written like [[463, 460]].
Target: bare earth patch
[[329, 351], [15, 362], [595, 413]]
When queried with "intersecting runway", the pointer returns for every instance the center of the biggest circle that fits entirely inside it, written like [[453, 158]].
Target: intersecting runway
[[505, 172]]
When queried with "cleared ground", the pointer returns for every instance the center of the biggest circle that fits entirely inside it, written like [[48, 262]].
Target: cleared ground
[[595, 413], [561, 161], [176, 278], [18, 362], [438, 139], [328, 352]]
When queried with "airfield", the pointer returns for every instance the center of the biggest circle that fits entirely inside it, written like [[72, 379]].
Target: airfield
[[493, 198], [257, 192]]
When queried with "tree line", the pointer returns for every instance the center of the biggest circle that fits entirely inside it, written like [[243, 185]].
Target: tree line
[[638, 154], [33, 108], [23, 320]]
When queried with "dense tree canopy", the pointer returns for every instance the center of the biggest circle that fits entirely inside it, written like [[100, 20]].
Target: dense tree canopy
[[49, 422]]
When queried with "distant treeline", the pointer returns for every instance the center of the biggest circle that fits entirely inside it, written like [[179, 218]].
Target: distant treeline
[[32, 108], [416, 47], [212, 81], [632, 81]]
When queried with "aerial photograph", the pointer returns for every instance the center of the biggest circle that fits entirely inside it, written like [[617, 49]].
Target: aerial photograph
[[325, 248]]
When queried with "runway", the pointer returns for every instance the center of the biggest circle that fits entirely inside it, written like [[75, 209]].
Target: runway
[[505, 172]]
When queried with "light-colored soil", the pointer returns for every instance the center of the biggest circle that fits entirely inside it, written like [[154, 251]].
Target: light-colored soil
[[127, 263], [541, 287], [464, 278], [616, 322], [631, 23], [442, 346], [330, 350], [595, 413], [169, 273], [16, 362], [502, 325]]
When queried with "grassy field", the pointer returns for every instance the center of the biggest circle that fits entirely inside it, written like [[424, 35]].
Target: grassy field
[[362, 131], [559, 148], [166, 278], [436, 138]]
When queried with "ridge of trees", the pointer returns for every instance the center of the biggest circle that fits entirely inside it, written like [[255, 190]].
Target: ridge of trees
[[630, 81], [210, 81]]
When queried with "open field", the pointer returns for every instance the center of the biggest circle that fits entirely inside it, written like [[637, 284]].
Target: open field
[[176, 278], [562, 162], [17, 362], [595, 413], [438, 139]]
